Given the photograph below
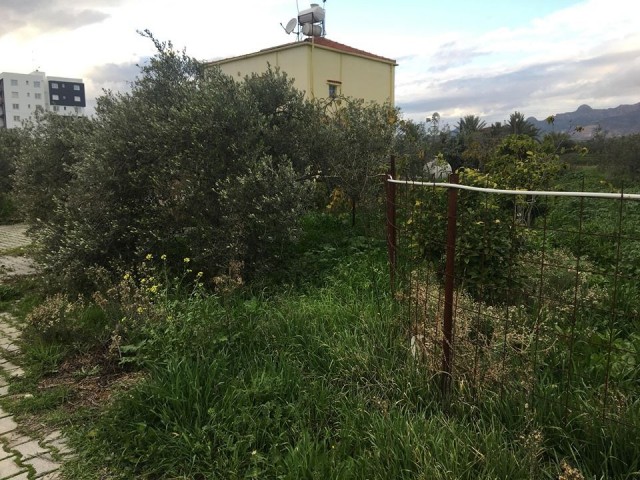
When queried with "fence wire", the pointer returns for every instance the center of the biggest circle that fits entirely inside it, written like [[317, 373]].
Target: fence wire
[[546, 298]]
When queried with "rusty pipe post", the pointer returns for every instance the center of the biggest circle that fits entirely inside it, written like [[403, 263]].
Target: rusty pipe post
[[447, 324], [392, 233]]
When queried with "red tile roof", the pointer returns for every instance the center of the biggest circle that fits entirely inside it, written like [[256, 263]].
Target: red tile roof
[[325, 42], [319, 41]]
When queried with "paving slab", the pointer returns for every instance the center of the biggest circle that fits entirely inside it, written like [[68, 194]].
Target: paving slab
[[9, 468], [43, 464], [56, 434], [50, 476], [9, 347], [61, 446], [30, 449], [15, 438], [22, 476], [13, 236], [7, 424], [5, 325], [12, 370], [8, 337], [12, 266], [5, 452]]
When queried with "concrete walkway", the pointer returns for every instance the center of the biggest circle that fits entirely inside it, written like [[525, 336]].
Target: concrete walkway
[[22, 457], [11, 238]]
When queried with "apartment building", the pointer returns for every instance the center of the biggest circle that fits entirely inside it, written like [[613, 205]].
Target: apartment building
[[21, 95]]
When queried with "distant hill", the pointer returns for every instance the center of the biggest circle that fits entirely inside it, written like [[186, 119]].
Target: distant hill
[[621, 120]]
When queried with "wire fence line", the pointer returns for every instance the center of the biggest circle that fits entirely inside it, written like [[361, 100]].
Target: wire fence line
[[541, 193], [544, 312]]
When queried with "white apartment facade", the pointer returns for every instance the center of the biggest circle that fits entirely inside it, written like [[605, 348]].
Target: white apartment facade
[[21, 95]]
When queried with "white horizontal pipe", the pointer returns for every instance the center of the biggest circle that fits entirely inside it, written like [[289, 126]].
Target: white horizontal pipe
[[625, 196]]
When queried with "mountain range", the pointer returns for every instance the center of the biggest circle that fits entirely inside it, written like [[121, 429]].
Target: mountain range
[[621, 120]]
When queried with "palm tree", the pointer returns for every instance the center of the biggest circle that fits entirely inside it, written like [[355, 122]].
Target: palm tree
[[470, 124], [518, 125]]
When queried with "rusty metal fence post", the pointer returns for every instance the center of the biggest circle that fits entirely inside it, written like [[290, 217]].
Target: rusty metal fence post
[[391, 222], [447, 323]]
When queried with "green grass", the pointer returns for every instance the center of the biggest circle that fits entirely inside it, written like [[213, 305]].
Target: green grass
[[18, 296], [19, 251], [298, 387], [308, 375]]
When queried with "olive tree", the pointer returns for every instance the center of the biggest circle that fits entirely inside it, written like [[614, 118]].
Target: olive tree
[[189, 163], [44, 165], [361, 140], [10, 144]]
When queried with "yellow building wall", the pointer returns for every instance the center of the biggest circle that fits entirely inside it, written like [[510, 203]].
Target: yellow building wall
[[293, 62], [355, 76], [368, 79], [359, 77], [326, 66]]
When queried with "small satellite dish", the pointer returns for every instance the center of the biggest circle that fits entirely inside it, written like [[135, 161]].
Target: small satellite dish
[[291, 25]]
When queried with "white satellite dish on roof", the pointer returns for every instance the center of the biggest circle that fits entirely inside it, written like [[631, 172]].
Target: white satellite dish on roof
[[291, 25]]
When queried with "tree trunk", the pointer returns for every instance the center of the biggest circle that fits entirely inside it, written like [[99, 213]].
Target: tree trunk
[[353, 212]]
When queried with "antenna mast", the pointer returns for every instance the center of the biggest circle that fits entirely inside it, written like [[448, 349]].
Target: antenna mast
[[324, 25]]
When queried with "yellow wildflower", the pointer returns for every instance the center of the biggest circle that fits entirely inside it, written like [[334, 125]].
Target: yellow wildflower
[[148, 257], [126, 276], [163, 257], [154, 289], [186, 260]]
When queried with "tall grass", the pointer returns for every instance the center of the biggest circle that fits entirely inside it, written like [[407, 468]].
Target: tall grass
[[315, 380]]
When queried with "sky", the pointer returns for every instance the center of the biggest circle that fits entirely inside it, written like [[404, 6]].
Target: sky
[[487, 58]]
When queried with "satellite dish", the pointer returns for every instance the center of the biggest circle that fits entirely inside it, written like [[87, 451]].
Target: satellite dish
[[291, 25]]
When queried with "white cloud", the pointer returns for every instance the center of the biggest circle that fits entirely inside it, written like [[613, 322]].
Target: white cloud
[[551, 65], [541, 66], [29, 18]]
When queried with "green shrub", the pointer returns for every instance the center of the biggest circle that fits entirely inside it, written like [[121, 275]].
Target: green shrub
[[44, 166], [188, 164], [487, 240], [11, 141], [77, 323]]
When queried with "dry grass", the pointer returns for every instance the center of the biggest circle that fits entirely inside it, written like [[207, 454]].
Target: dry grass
[[493, 346]]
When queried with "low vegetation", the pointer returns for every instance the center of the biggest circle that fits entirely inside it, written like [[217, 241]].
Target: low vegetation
[[216, 298], [294, 381]]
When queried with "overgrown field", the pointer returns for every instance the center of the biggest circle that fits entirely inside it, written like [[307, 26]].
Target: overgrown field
[[308, 379]]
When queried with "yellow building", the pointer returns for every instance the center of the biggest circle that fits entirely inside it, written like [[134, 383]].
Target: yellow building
[[322, 68]]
